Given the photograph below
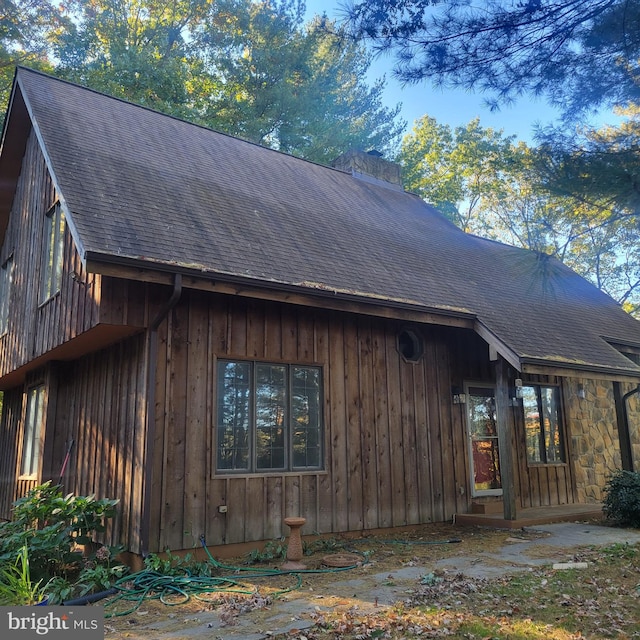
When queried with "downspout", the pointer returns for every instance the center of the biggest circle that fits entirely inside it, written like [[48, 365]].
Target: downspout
[[626, 434], [145, 522]]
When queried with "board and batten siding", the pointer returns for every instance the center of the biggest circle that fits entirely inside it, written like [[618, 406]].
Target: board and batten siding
[[542, 485], [395, 449], [36, 327], [101, 418]]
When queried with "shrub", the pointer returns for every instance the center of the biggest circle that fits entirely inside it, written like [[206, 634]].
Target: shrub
[[622, 500], [51, 526]]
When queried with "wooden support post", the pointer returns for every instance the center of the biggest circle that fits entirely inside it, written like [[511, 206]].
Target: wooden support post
[[505, 441]]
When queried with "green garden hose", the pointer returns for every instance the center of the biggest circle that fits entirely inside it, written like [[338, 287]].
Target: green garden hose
[[174, 590]]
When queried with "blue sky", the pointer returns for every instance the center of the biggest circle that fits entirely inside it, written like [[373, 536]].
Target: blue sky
[[452, 107]]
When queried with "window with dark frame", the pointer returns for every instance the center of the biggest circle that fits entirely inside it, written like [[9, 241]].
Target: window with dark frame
[[6, 279], [33, 427], [543, 424], [410, 345], [53, 253], [269, 417]]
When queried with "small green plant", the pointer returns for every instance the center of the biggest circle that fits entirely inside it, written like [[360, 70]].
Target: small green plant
[[622, 550], [272, 550], [52, 526], [171, 564], [59, 589], [16, 585], [622, 499], [94, 578], [322, 545]]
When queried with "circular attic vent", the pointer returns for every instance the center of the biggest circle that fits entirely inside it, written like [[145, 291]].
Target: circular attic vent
[[410, 345]]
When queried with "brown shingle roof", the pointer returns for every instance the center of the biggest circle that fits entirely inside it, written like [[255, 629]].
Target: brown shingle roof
[[143, 186]]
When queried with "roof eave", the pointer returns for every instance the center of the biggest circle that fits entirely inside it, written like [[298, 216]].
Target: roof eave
[[15, 133], [561, 367], [133, 268]]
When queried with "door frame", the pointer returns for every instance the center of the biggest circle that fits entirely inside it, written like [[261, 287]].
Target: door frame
[[484, 492]]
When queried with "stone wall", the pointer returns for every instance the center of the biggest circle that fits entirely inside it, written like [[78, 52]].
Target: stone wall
[[593, 436], [633, 412]]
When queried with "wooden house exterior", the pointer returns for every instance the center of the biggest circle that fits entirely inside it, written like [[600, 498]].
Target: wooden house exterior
[[213, 395]]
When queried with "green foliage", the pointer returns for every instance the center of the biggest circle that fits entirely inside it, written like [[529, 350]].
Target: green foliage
[[59, 589], [250, 68], [277, 549], [170, 564], [622, 499], [16, 585], [272, 550], [622, 550], [51, 525], [456, 170], [97, 577], [92, 574], [491, 186], [298, 88], [579, 53]]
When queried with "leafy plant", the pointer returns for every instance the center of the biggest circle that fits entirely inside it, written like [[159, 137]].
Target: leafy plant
[[622, 499], [52, 526], [59, 589], [16, 585], [272, 550], [170, 564], [97, 577]]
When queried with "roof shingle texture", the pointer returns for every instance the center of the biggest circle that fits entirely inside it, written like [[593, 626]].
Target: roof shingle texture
[[145, 186]]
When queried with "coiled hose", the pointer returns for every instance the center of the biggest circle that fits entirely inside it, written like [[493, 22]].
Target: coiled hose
[[134, 589]]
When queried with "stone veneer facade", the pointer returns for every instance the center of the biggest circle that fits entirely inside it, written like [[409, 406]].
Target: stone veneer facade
[[593, 434]]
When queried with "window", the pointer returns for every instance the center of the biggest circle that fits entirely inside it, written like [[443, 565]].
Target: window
[[543, 424], [269, 417], [410, 345], [53, 253], [6, 279], [33, 426]]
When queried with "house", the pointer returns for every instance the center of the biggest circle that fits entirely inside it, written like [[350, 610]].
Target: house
[[220, 335]]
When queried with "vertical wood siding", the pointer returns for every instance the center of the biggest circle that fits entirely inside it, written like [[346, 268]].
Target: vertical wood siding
[[395, 449], [542, 484], [101, 408], [35, 328], [12, 412]]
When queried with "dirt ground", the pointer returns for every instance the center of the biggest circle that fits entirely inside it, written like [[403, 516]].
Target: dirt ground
[[388, 571], [383, 564]]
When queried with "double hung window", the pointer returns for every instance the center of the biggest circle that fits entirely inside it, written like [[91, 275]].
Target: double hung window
[[269, 417], [543, 424]]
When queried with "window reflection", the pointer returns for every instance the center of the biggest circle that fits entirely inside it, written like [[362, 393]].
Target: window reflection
[[269, 417]]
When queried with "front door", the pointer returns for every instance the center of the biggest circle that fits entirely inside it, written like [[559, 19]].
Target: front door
[[483, 441]]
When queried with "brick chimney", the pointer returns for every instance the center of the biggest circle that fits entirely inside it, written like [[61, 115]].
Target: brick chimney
[[370, 166]]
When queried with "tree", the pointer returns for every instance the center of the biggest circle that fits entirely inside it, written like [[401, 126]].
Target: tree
[[492, 186], [138, 50], [596, 165], [455, 170], [250, 68], [24, 29], [299, 88], [578, 53]]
